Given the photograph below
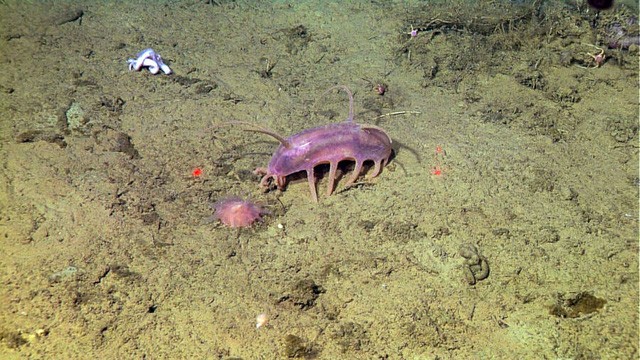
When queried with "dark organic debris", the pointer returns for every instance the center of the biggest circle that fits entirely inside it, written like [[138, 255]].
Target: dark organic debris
[[30, 136], [475, 267], [117, 141], [303, 294], [577, 305], [296, 347]]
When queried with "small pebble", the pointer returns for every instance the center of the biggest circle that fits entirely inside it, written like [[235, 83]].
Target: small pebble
[[261, 320]]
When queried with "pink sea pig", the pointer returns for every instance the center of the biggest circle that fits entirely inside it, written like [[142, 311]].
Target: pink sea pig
[[236, 212]]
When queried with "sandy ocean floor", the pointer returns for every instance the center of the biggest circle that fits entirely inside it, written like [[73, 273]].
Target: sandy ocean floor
[[505, 226]]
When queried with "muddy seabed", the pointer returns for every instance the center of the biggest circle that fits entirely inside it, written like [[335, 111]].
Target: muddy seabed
[[514, 154]]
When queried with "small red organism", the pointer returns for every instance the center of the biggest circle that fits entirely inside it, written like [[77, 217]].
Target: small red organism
[[438, 158], [197, 172]]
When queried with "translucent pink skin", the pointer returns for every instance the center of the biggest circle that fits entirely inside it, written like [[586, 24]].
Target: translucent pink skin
[[328, 144], [235, 212]]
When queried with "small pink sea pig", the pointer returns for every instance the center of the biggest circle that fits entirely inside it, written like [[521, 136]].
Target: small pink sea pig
[[236, 212]]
